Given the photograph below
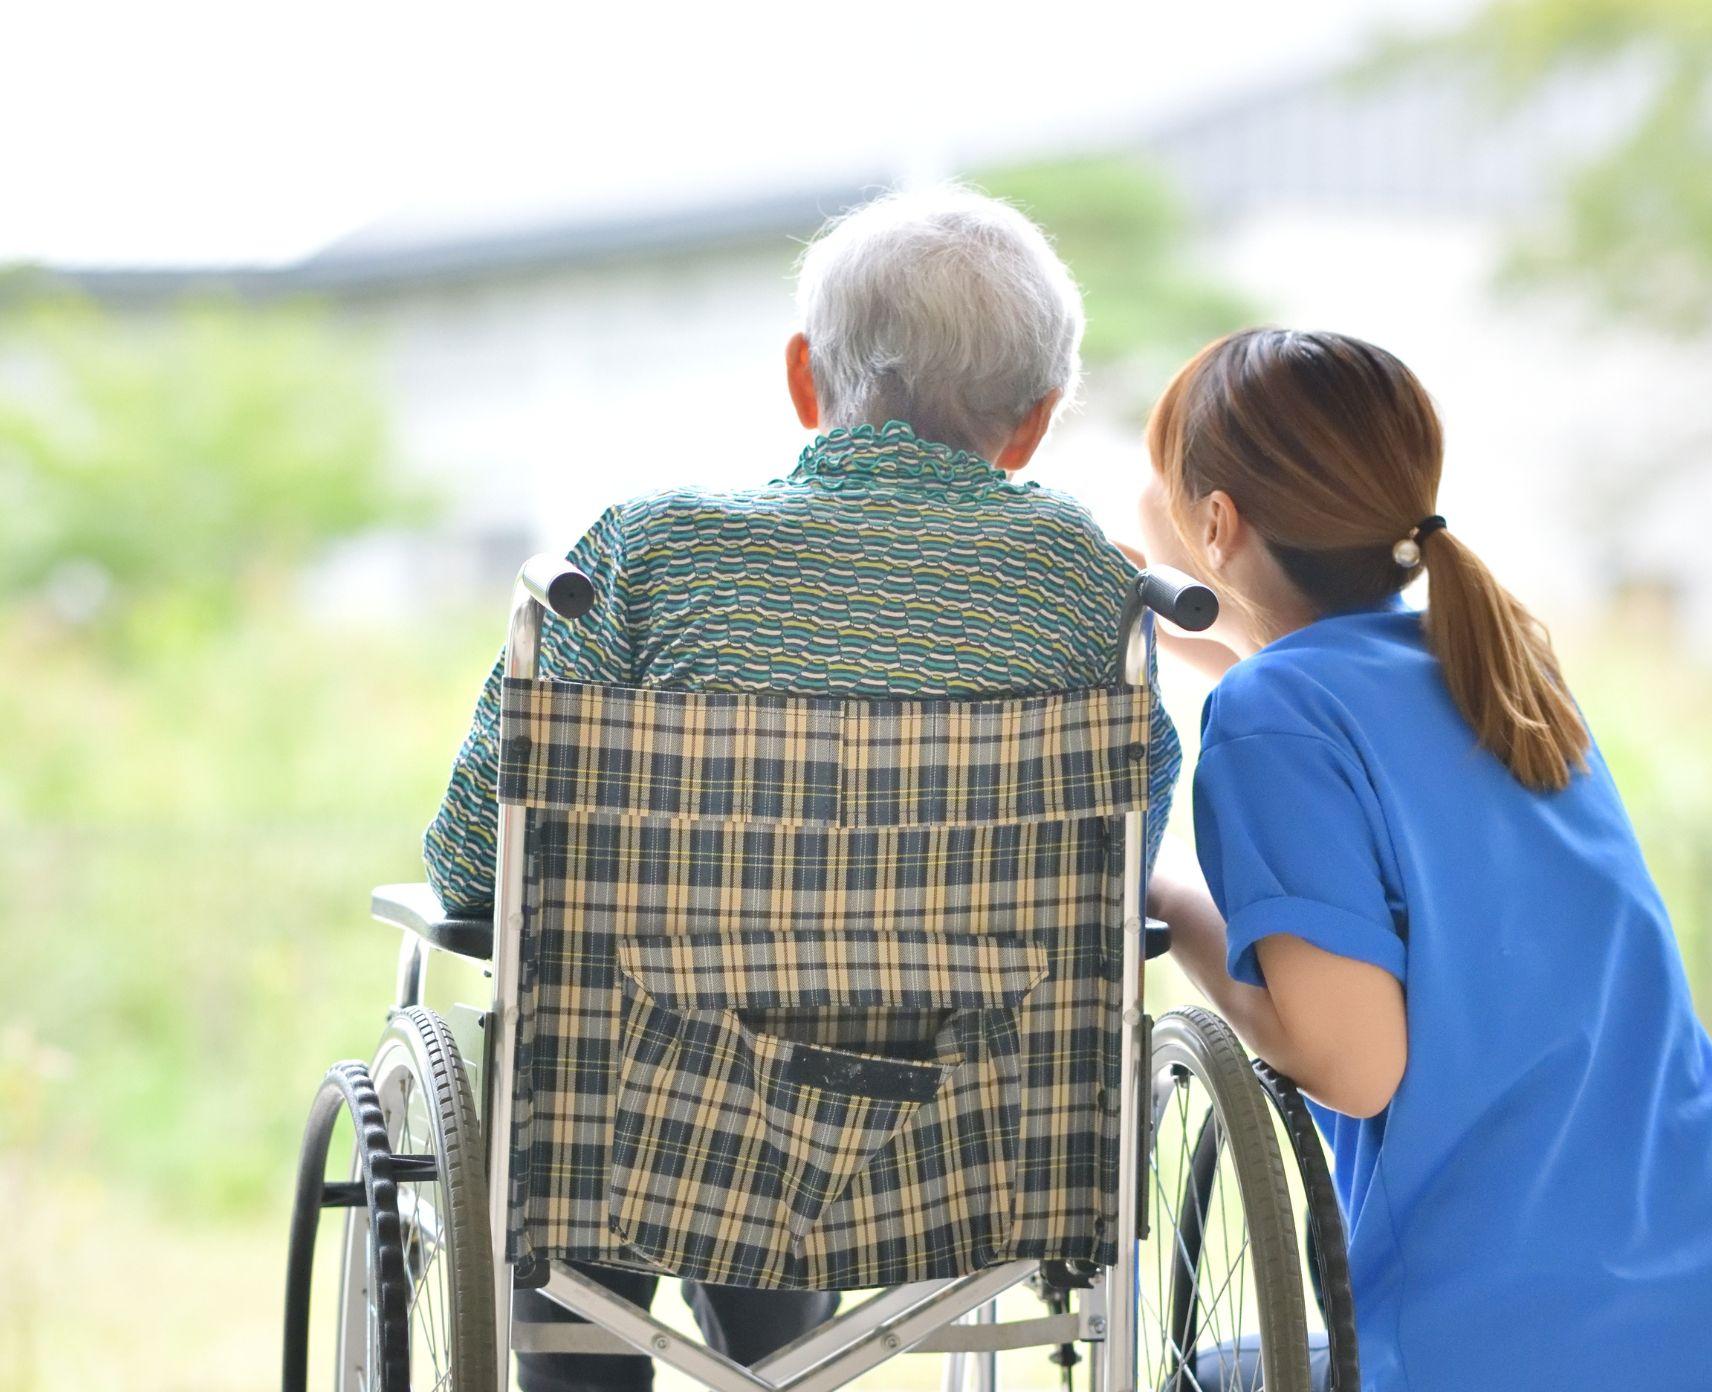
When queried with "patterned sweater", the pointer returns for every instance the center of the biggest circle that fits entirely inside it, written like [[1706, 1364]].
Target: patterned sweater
[[884, 565]]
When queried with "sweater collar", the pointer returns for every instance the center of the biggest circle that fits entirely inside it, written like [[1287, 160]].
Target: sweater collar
[[895, 455]]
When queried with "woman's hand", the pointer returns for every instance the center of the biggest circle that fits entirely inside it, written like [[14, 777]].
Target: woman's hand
[[1212, 659], [1133, 552]]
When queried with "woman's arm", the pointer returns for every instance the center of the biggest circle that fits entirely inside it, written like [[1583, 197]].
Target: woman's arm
[[1335, 1025]]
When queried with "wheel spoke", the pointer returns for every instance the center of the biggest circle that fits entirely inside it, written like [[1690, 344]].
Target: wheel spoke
[[1229, 1275], [423, 1206], [1185, 1358], [1204, 1215], [421, 1296], [1211, 1328], [422, 1304], [1182, 1250], [422, 1247], [1173, 1350]]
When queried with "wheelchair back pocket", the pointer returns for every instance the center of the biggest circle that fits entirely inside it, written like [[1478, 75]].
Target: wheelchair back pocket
[[730, 1142]]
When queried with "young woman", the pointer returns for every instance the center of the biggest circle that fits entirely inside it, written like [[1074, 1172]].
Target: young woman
[[1423, 899]]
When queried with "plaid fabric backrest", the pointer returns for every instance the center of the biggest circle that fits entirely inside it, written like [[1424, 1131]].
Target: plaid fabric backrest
[[818, 992]]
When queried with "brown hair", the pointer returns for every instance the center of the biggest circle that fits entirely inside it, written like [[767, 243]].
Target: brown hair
[[1332, 451]]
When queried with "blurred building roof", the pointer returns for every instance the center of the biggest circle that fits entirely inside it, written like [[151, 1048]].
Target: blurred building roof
[[414, 247], [1417, 142]]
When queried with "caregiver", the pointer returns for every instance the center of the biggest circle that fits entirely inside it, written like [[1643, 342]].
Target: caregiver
[[1423, 899]]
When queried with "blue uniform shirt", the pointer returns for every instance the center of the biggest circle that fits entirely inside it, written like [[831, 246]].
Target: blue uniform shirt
[[1534, 1208]]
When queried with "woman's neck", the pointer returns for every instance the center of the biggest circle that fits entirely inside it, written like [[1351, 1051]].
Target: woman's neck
[[1251, 632]]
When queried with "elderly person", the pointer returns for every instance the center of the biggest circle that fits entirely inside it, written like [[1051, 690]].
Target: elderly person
[[901, 557]]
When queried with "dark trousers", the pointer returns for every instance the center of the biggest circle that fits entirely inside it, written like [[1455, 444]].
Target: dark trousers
[[745, 1325]]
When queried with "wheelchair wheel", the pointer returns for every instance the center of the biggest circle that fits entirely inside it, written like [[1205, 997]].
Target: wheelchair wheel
[[428, 1111], [1325, 1248], [1225, 1309]]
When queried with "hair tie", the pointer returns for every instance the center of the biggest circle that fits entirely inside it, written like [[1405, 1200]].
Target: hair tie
[[1407, 552]]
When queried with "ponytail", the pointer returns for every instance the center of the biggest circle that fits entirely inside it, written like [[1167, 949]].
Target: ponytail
[[1331, 448], [1498, 662]]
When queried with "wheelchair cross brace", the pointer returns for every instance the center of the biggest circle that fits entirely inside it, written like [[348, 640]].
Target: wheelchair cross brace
[[916, 1318]]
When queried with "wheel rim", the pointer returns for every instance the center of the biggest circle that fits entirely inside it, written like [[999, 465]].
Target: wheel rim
[[427, 1258], [1202, 1327], [356, 1316]]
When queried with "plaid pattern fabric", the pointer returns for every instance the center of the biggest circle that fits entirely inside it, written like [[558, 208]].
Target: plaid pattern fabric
[[797, 761], [818, 992]]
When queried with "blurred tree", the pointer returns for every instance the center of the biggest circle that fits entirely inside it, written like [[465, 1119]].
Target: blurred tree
[[1127, 238], [1633, 225], [164, 468]]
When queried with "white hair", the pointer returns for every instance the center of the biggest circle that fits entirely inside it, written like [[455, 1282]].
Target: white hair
[[945, 309]]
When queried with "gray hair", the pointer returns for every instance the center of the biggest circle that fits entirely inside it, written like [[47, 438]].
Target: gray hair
[[945, 309]]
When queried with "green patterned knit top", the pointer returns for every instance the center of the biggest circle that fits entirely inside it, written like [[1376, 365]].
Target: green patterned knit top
[[883, 565]]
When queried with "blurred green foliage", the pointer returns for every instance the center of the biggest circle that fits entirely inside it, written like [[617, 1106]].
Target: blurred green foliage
[[195, 788], [1128, 239], [185, 854], [1632, 225], [155, 469], [1645, 701]]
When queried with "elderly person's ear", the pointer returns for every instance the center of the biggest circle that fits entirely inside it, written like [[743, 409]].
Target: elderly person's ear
[[1025, 439], [800, 380]]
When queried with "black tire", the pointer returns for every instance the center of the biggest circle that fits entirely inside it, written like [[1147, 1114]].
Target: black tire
[[1327, 1241], [428, 1109], [1195, 1046]]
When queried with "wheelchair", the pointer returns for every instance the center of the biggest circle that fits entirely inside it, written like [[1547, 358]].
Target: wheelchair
[[817, 993]]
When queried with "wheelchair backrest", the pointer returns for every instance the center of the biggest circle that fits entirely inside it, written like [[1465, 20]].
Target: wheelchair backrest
[[818, 992]]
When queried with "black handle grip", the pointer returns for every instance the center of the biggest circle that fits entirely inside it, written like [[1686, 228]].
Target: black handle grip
[[1173, 595], [559, 585]]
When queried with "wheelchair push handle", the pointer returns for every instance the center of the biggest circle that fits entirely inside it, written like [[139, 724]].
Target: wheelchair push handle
[[1180, 598], [558, 585]]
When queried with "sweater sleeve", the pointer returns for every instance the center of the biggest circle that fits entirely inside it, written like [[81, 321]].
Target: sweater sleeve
[[460, 843]]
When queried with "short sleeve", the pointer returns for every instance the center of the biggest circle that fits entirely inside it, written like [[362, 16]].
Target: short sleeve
[[1290, 838]]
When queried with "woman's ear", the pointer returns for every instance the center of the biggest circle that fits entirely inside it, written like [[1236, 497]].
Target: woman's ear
[[1224, 533], [799, 380]]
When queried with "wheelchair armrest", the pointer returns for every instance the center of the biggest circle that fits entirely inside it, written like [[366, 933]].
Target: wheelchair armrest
[[416, 909], [1156, 939]]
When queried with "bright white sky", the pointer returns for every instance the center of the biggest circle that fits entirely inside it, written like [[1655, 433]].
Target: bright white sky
[[244, 130]]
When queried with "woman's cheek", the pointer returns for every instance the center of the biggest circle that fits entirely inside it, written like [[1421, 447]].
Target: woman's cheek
[[1158, 536]]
